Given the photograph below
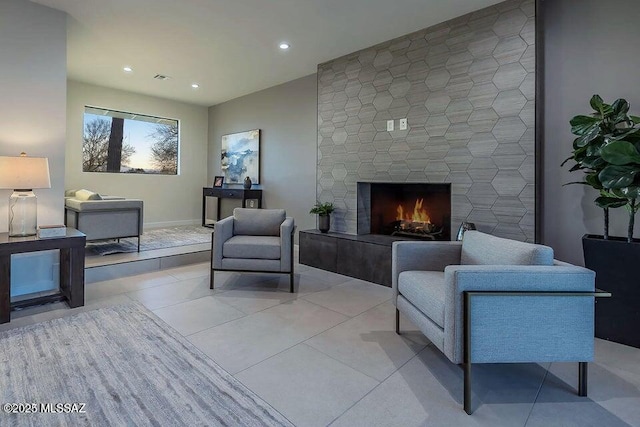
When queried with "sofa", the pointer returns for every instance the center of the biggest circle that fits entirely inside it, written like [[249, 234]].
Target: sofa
[[254, 240], [493, 300], [103, 217]]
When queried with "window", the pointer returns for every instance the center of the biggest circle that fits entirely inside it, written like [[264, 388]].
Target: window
[[114, 141]]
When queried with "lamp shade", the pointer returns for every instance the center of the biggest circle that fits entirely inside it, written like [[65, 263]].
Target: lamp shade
[[24, 173]]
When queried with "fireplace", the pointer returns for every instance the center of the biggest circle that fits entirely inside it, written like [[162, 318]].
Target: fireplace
[[415, 210]]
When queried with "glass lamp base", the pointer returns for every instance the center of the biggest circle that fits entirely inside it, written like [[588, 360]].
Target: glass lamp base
[[23, 213]]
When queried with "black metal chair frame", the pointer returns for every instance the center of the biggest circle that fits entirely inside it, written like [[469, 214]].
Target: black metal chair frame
[[467, 362]]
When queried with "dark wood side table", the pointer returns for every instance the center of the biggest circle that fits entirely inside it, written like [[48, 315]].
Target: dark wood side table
[[71, 249], [229, 192]]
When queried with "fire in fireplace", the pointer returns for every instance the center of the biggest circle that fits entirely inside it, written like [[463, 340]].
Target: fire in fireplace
[[415, 222], [416, 210]]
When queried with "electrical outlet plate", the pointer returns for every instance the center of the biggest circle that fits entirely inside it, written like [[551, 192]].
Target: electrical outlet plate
[[403, 124], [389, 125]]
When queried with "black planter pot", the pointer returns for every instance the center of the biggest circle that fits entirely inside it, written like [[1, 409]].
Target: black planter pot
[[324, 223], [615, 262]]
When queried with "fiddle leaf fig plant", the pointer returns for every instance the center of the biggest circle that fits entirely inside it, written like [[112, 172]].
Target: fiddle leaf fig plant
[[607, 150]]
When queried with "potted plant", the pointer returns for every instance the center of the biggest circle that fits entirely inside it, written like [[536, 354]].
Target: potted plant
[[607, 150], [323, 210]]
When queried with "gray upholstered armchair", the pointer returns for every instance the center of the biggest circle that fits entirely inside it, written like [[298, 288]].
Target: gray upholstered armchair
[[493, 300], [254, 240]]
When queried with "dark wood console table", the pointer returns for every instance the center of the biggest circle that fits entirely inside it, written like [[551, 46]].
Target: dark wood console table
[[71, 249], [229, 192]]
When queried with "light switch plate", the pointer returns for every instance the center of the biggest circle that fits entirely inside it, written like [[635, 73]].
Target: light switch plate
[[403, 124], [389, 125]]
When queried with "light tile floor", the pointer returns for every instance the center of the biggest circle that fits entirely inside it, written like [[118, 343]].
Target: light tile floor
[[328, 355]]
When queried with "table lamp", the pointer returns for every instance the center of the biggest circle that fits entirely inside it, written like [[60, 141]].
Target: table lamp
[[23, 174]]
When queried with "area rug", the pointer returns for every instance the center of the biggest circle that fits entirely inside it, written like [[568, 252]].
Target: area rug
[[157, 238], [127, 367]]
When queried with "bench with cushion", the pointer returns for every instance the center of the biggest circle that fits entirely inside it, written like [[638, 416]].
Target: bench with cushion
[[104, 217]]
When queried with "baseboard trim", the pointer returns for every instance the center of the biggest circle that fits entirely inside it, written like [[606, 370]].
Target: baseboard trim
[[164, 224]]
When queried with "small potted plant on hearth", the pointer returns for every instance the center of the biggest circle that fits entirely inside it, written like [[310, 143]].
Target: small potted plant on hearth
[[323, 210], [607, 151]]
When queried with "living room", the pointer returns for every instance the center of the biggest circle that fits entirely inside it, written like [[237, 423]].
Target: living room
[[472, 97]]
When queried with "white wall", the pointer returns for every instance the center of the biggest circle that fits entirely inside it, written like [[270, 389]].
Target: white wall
[[33, 88], [168, 199], [287, 117]]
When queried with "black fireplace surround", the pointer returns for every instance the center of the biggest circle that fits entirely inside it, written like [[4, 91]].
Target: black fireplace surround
[[406, 210]]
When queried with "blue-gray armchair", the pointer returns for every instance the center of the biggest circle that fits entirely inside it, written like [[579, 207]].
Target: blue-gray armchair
[[494, 300], [254, 240]]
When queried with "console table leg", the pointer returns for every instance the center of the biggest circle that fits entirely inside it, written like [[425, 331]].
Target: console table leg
[[77, 277], [5, 288], [72, 276]]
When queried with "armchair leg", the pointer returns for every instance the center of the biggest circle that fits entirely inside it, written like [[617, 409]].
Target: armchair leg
[[138, 243], [397, 321], [467, 388], [467, 352], [291, 261], [211, 273], [583, 368]]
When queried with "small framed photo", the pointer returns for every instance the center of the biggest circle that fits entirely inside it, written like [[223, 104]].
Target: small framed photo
[[218, 181]]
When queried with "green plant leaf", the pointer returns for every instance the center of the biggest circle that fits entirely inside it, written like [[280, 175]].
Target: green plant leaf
[[620, 153], [566, 160], [610, 202], [591, 134], [620, 107], [593, 180], [596, 102], [322, 208], [593, 162], [635, 119], [602, 108], [583, 124], [631, 192], [575, 183], [627, 133], [613, 176]]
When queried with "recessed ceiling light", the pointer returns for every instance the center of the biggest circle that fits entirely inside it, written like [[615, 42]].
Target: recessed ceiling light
[[284, 46], [195, 85], [127, 69]]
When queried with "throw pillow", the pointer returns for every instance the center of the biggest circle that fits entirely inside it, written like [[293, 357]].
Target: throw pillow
[[85, 195]]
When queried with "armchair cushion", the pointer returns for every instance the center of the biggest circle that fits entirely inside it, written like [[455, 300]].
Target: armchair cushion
[[425, 290], [484, 249], [258, 222], [257, 247]]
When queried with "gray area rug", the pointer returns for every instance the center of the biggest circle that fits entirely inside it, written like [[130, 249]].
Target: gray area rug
[[158, 238], [129, 367]]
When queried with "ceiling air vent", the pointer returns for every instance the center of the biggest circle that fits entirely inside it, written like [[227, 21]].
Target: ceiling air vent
[[161, 77]]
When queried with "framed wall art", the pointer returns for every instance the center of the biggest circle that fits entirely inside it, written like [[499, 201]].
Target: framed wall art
[[240, 157]]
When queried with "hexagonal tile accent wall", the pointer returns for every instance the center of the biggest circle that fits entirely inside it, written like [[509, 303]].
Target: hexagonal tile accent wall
[[467, 87]]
